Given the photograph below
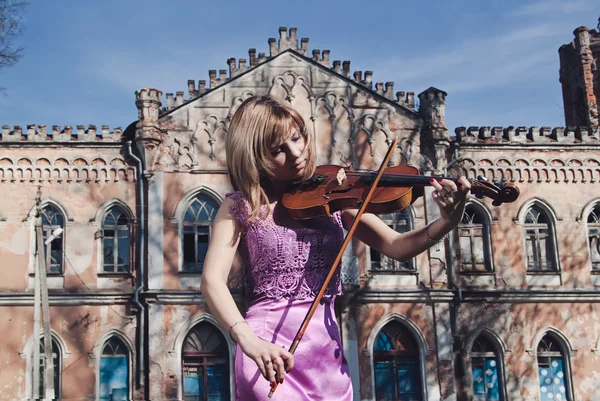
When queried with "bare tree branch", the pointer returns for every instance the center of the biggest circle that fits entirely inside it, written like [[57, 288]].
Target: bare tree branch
[[11, 26]]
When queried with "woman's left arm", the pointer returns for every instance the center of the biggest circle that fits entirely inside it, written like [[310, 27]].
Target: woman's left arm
[[378, 235]]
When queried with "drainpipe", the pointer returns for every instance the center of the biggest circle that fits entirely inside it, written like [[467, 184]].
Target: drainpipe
[[458, 367], [141, 270]]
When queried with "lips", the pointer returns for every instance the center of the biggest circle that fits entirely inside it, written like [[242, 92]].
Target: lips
[[299, 166]]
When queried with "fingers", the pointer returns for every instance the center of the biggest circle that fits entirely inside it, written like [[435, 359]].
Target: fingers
[[274, 363], [465, 185], [288, 360], [447, 191], [279, 368], [270, 371]]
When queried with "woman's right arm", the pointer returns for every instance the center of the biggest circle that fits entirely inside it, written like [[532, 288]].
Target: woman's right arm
[[224, 240]]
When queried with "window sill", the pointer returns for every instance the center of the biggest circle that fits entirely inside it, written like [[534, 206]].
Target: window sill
[[189, 273], [543, 278], [475, 278], [476, 273], [115, 275], [392, 278], [399, 272]]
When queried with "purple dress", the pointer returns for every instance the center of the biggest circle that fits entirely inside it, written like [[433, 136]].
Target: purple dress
[[285, 265]]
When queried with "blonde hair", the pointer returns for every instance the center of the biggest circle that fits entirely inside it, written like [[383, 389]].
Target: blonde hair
[[259, 125]]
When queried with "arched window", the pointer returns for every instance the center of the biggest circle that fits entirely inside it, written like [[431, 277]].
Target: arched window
[[197, 224], [116, 241], [400, 222], [397, 364], [474, 241], [56, 361], [52, 219], [593, 226], [114, 370], [485, 366], [539, 241], [205, 364], [552, 370]]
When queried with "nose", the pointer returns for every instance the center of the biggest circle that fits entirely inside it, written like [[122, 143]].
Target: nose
[[296, 150]]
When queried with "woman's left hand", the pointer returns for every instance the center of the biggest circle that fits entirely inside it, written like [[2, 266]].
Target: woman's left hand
[[450, 198]]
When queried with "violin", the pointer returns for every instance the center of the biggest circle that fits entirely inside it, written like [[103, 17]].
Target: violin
[[334, 188]]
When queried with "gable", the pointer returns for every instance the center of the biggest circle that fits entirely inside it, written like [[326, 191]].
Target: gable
[[352, 124]]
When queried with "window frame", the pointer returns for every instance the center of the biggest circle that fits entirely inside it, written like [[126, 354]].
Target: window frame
[[553, 257], [392, 220], [419, 338], [204, 358], [563, 353], [128, 227], [47, 230], [486, 236], [181, 212], [593, 225], [497, 354], [128, 356]]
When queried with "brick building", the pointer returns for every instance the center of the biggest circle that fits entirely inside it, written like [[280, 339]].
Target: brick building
[[504, 309]]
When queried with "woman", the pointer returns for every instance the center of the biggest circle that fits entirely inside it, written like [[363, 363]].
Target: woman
[[286, 261]]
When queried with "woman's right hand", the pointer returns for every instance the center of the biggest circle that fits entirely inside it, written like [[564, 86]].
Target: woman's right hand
[[270, 358]]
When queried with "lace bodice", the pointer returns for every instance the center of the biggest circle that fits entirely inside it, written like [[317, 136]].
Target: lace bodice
[[284, 258]]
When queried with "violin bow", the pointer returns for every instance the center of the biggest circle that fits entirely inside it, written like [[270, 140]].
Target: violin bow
[[338, 258]]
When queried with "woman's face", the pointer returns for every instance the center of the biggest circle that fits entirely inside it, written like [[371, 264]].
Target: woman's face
[[289, 157]]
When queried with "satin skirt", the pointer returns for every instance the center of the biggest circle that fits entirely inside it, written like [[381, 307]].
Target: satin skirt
[[320, 370]]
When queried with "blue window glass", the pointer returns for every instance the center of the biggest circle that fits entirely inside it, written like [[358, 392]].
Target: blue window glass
[[551, 370], [114, 371], [205, 365], [397, 366], [484, 367]]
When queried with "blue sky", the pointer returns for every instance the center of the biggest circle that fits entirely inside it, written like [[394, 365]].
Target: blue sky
[[497, 59]]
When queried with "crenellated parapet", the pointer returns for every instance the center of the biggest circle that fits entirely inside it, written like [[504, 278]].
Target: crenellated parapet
[[527, 135], [288, 40], [57, 133]]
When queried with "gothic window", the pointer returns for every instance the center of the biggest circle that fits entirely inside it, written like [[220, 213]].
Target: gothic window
[[114, 371], [474, 241], [52, 219], [205, 365], [116, 242], [397, 364], [593, 224], [552, 370], [485, 366], [196, 232], [56, 361], [539, 241], [400, 222]]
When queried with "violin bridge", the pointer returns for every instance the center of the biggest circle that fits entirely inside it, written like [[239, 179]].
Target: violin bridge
[[341, 176]]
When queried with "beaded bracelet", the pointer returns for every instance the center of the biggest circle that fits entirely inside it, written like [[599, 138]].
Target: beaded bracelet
[[233, 325]]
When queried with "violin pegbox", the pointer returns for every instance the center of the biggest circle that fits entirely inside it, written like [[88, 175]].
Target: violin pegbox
[[498, 191]]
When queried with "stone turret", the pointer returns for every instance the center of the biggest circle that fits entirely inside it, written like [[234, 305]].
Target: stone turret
[[580, 78], [435, 140], [147, 132]]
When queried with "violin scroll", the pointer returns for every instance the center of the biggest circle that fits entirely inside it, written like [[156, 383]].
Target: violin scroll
[[498, 191]]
